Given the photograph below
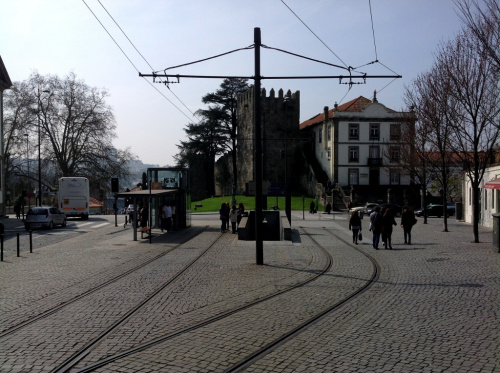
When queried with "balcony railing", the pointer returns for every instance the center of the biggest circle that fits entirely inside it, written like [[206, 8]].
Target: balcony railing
[[374, 161]]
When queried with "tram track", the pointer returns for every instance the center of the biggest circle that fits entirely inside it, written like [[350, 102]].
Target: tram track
[[206, 322], [88, 292], [273, 345], [269, 347]]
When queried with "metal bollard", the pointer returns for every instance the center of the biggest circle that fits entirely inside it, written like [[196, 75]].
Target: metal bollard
[[31, 242], [18, 244]]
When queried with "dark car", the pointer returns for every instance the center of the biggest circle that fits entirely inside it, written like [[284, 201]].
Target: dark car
[[451, 208], [44, 217], [394, 207], [433, 210]]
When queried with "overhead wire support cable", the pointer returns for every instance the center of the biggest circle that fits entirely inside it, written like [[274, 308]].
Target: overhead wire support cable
[[206, 59], [363, 76], [348, 68]]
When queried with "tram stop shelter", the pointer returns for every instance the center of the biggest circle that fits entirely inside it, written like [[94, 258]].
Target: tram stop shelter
[[165, 185]]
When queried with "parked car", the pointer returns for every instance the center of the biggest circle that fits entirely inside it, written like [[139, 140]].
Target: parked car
[[368, 209], [44, 217], [433, 210], [130, 209], [394, 207], [451, 208], [361, 209]]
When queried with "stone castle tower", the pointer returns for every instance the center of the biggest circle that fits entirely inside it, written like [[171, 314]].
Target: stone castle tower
[[280, 138]]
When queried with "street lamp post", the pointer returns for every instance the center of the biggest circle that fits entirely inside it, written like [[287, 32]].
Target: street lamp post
[[28, 194], [40, 192]]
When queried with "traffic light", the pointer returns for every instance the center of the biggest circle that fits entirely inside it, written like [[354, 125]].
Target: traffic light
[[114, 185]]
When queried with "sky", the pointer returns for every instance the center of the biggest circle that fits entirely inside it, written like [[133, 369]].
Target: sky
[[63, 36]]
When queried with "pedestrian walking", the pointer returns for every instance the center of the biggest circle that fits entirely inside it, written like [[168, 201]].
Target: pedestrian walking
[[312, 208], [387, 223], [408, 220], [375, 226], [17, 210], [224, 217], [233, 217], [355, 226]]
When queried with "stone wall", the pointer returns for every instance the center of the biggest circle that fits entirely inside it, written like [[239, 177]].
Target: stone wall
[[281, 138]]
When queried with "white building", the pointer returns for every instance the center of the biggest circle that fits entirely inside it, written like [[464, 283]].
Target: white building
[[358, 145], [489, 199]]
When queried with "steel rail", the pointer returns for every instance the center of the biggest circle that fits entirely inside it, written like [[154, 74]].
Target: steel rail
[[78, 356], [86, 293], [270, 347], [208, 321]]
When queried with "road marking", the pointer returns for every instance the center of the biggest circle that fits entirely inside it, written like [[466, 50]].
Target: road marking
[[100, 225], [83, 224]]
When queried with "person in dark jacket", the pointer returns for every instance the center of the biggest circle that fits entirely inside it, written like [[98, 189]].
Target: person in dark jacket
[[387, 223], [224, 217], [407, 222], [355, 226]]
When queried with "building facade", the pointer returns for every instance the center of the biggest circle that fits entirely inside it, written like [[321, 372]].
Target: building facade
[[489, 197], [358, 145]]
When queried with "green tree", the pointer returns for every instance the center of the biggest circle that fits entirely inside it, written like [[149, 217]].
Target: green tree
[[205, 141], [222, 113]]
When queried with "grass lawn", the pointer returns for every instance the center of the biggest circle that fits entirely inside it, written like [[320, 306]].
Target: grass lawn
[[213, 204]]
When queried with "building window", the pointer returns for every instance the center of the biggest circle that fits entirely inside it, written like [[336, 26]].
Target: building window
[[395, 154], [353, 131], [486, 199], [395, 132], [374, 151], [329, 132], [353, 176], [320, 136], [374, 131], [354, 154], [395, 177]]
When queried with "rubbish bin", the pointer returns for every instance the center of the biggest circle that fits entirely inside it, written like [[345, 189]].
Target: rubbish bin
[[496, 230], [459, 210]]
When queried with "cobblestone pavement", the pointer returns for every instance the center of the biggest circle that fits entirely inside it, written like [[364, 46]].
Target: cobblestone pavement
[[434, 307]]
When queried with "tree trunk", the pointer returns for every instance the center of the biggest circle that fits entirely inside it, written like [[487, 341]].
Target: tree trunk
[[475, 212]]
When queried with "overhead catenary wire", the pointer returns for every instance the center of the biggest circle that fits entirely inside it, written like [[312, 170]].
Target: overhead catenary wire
[[373, 29], [376, 61], [135, 67], [295, 14]]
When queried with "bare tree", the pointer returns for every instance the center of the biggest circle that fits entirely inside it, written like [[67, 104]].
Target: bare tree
[[474, 90], [17, 118], [75, 125], [415, 135], [482, 19], [77, 128]]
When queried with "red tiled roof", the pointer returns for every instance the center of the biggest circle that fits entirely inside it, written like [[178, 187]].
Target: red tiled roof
[[357, 105]]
